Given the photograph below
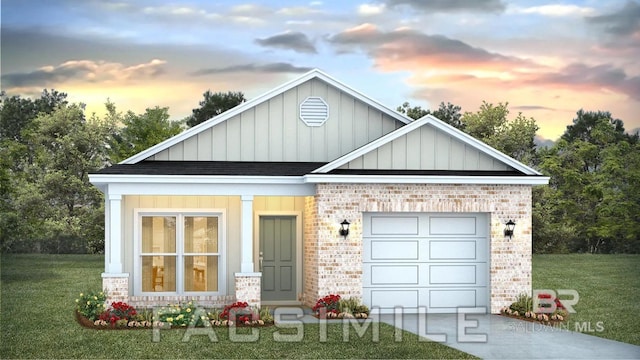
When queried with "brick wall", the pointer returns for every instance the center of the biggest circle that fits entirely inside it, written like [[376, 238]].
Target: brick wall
[[116, 287], [248, 288], [334, 264]]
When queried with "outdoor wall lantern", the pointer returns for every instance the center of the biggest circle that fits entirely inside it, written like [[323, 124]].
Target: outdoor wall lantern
[[508, 230], [344, 228]]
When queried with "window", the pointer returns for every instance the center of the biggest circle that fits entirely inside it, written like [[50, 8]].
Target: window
[[180, 253]]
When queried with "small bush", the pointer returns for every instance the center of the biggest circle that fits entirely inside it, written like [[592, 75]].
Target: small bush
[[239, 312], [91, 304], [180, 315], [522, 304], [348, 306], [119, 313], [265, 314], [330, 303]]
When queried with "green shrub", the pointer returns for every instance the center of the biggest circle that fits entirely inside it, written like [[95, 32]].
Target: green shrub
[[265, 314], [522, 304], [180, 315], [91, 304]]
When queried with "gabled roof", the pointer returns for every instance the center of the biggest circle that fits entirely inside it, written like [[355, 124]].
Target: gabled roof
[[316, 73], [437, 123]]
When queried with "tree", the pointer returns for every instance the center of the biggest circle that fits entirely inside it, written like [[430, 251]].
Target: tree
[[514, 138], [448, 113], [140, 131], [56, 205], [17, 113], [214, 104], [17, 117], [594, 188], [415, 112]]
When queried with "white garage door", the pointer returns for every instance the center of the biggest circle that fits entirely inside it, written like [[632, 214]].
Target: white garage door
[[438, 260]]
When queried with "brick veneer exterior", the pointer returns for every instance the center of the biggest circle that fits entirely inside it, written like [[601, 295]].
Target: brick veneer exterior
[[116, 287], [248, 288], [334, 264]]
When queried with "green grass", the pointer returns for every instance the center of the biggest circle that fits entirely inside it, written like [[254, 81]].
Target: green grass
[[37, 321], [608, 286]]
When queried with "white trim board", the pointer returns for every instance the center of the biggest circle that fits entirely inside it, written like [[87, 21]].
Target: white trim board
[[297, 186]]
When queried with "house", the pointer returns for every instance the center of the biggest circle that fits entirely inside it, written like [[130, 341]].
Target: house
[[248, 206]]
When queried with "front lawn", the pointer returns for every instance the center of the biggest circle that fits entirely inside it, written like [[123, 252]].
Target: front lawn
[[37, 321], [608, 287]]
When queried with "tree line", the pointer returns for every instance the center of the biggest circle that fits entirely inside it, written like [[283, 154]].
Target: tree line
[[48, 147]]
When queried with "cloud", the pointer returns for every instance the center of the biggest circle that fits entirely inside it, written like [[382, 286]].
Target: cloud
[[371, 9], [295, 41], [84, 70], [554, 10], [532, 107], [279, 67], [451, 5], [579, 76], [298, 11], [625, 21], [403, 49]]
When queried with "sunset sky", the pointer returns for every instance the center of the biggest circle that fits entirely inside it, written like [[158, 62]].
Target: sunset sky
[[546, 59]]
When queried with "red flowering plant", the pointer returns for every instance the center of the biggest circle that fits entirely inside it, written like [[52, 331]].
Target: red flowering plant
[[240, 312], [523, 308], [119, 313], [559, 305], [328, 305]]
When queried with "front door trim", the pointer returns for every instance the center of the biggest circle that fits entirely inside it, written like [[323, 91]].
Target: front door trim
[[299, 251]]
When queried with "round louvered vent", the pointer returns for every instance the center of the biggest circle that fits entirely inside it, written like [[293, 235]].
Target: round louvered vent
[[314, 111]]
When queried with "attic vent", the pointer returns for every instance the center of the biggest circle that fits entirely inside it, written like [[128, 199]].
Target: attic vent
[[314, 111]]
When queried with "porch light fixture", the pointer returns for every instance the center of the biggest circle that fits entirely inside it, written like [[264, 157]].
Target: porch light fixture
[[508, 230], [344, 228]]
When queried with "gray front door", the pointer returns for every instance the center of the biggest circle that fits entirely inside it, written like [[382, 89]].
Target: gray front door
[[278, 257]]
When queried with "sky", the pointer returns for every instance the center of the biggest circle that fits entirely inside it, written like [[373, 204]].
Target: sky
[[547, 59]]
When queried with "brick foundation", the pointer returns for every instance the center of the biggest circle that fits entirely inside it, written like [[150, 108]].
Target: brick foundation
[[116, 287], [248, 288], [334, 264]]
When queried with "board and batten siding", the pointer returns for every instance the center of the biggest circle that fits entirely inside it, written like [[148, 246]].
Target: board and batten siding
[[426, 148], [273, 130], [232, 222]]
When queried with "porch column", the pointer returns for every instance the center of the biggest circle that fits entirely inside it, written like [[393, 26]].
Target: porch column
[[247, 234], [113, 216], [114, 282]]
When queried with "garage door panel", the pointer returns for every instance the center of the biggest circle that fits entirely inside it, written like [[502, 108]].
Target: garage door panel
[[405, 225], [448, 300], [395, 250], [452, 298], [458, 274], [452, 275], [395, 275], [453, 250], [453, 225], [389, 299], [409, 299], [396, 225]]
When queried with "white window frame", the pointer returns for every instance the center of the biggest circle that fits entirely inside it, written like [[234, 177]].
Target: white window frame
[[179, 214]]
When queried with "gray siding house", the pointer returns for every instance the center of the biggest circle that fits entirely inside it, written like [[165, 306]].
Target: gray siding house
[[248, 206]]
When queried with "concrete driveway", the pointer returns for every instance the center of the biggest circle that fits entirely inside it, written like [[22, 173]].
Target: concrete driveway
[[499, 337]]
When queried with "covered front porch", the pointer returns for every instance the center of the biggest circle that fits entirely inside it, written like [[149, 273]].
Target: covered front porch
[[248, 213]]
